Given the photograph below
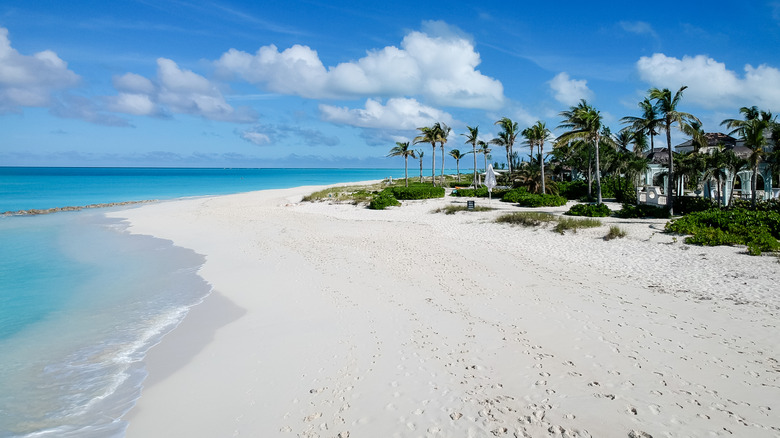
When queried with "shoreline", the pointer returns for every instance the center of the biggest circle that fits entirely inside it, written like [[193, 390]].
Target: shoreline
[[330, 320]]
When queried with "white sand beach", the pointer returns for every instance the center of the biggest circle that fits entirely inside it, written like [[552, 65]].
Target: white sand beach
[[338, 321]]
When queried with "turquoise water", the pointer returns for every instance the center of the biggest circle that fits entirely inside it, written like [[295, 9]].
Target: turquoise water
[[82, 300]]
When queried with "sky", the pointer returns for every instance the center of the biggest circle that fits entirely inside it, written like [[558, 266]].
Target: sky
[[174, 83]]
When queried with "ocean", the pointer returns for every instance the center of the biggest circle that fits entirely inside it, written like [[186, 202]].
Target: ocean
[[82, 300]]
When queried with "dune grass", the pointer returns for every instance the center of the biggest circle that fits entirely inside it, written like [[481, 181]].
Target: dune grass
[[615, 232], [535, 219], [452, 209]]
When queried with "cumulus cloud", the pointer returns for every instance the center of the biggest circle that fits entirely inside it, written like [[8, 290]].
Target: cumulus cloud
[[710, 84], [440, 67], [397, 113], [569, 91], [175, 90], [30, 80]]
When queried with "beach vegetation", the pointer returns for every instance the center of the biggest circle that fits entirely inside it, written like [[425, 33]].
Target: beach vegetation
[[615, 232], [666, 106], [349, 194], [589, 210], [472, 138], [429, 134], [573, 189], [584, 123], [757, 229], [416, 191], [526, 218], [570, 224], [481, 192], [535, 136], [523, 198], [637, 211], [506, 138], [457, 155], [452, 209], [402, 149], [382, 200]]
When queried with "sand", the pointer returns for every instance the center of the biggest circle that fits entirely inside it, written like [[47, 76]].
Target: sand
[[334, 321]]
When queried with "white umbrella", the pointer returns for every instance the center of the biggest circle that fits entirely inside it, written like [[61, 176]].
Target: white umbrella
[[490, 181]]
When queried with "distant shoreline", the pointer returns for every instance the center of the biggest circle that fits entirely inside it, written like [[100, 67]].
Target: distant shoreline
[[36, 212]]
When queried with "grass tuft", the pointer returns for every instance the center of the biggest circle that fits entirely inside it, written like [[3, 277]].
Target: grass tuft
[[615, 232], [526, 218], [452, 209]]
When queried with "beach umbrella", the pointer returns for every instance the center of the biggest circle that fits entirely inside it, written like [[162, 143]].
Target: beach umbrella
[[490, 181]]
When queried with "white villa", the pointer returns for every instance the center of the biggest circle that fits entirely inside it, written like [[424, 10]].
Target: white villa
[[656, 180]]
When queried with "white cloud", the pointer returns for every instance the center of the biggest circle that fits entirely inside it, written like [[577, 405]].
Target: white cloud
[[439, 68], [30, 80], [569, 91], [710, 84], [257, 138], [638, 27], [397, 114], [175, 90]]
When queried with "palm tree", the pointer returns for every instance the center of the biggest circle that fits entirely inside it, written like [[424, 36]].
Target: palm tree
[[508, 135], [585, 123], [696, 132], [666, 105], [485, 150], [753, 131], [457, 156], [420, 154], [540, 134], [472, 139], [647, 123], [442, 132], [428, 134], [716, 168], [402, 150]]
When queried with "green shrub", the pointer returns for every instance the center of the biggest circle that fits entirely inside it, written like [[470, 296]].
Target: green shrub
[[521, 196], [589, 210], [690, 204], [481, 192], [417, 191], [383, 200], [573, 189], [514, 195], [634, 211], [759, 230]]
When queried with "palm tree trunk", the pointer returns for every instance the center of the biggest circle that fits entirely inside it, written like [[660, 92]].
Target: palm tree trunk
[[753, 183], [508, 160], [598, 171], [421, 170], [433, 165], [474, 147], [670, 195], [457, 166], [441, 171], [541, 161], [406, 170]]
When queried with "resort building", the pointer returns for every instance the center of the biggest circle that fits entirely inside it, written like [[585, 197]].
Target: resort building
[[656, 181]]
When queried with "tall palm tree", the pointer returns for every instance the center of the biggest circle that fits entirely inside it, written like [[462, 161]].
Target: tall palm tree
[[696, 132], [485, 150], [647, 123], [508, 134], [716, 168], [753, 131], [472, 139], [667, 109], [536, 135], [420, 153], [457, 156], [402, 150], [584, 122], [428, 134], [442, 132]]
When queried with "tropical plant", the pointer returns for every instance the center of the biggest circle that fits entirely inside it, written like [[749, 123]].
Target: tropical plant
[[585, 123], [536, 135], [455, 153], [402, 150], [666, 104], [420, 154], [753, 131], [507, 137], [428, 134], [472, 139], [589, 210], [442, 132], [647, 123], [485, 150]]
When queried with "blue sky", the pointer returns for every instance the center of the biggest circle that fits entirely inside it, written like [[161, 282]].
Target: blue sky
[[337, 83]]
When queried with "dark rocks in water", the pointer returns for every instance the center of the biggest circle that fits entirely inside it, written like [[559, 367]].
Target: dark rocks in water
[[34, 212]]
